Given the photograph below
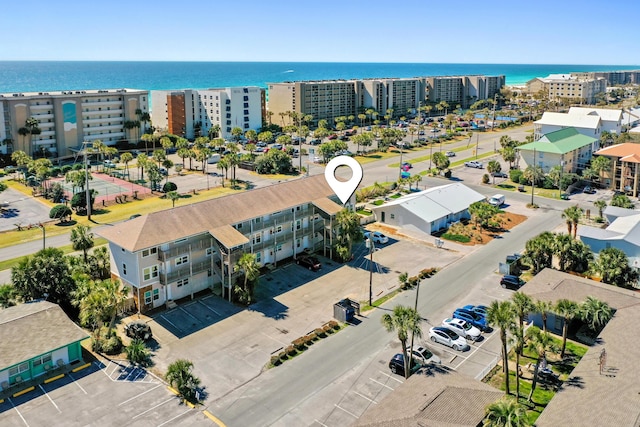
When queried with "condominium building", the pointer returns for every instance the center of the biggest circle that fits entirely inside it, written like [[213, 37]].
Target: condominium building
[[66, 119], [192, 112], [624, 174], [621, 77], [463, 90], [568, 86], [168, 255]]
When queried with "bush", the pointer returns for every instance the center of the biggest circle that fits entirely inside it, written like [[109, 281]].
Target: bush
[[413, 281], [456, 237], [64, 169], [515, 175], [335, 325], [169, 186], [275, 360], [485, 178], [299, 344], [320, 333], [291, 351], [55, 171], [60, 212]]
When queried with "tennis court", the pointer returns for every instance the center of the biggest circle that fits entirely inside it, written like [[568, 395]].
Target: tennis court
[[108, 187]]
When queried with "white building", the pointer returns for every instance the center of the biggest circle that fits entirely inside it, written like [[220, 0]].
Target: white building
[[430, 210], [610, 119], [589, 125], [184, 112]]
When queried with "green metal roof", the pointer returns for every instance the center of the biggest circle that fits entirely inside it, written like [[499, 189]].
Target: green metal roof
[[560, 142]]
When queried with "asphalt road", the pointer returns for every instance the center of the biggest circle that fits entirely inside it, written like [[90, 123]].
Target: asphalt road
[[330, 369]]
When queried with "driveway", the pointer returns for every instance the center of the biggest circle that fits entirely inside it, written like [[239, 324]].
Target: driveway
[[19, 209]]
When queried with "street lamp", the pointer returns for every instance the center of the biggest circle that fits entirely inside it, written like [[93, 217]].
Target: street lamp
[[372, 247], [44, 236]]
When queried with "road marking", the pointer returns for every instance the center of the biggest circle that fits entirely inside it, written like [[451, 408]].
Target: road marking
[[189, 314], [26, 390], [216, 419], [78, 384], [365, 397], [476, 349], [49, 397], [177, 416], [52, 379], [138, 395], [322, 424], [170, 322], [383, 385], [350, 413], [21, 417], [218, 314], [79, 368], [391, 377], [152, 408]]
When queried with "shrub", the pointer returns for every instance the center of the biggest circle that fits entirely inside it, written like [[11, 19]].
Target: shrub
[[328, 329], [335, 325], [291, 350], [275, 360], [320, 333], [169, 186], [413, 281], [60, 212], [310, 338], [299, 344], [515, 175], [456, 237], [485, 178]]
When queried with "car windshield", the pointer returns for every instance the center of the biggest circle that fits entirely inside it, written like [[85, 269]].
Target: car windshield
[[466, 326], [451, 334], [423, 352]]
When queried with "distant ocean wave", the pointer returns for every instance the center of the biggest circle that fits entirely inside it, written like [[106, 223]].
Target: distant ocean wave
[[38, 76]]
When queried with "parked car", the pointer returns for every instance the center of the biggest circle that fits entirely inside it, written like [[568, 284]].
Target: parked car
[[163, 171], [442, 335], [512, 282], [332, 136], [481, 309], [497, 200], [310, 262], [315, 141], [589, 190], [423, 355], [473, 318], [473, 164], [499, 175], [377, 237], [138, 330], [317, 159], [396, 364], [276, 146], [109, 164], [450, 154], [462, 328], [407, 165]]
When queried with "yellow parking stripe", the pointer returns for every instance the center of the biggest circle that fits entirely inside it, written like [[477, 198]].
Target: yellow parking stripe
[[213, 418], [57, 377], [79, 368], [26, 390]]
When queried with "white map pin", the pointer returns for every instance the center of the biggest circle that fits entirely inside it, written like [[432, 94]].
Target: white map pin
[[344, 190]]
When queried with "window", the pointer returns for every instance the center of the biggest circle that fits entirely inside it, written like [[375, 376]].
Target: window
[[147, 298], [124, 269], [258, 257], [183, 282], [257, 220], [246, 112], [278, 229], [246, 98], [393, 216], [298, 224], [182, 259], [150, 251], [156, 294], [257, 238], [297, 243], [209, 273], [42, 360], [150, 272], [209, 251], [19, 369], [279, 247], [246, 105]]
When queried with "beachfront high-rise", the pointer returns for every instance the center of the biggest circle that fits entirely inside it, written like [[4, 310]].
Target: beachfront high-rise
[[66, 119], [328, 99], [190, 111]]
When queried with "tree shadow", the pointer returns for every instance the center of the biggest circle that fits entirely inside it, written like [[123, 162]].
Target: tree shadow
[[67, 223], [575, 382]]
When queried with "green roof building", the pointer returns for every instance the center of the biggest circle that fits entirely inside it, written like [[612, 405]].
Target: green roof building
[[36, 338], [566, 147]]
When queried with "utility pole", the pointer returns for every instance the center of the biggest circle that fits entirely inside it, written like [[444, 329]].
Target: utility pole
[[86, 178], [533, 179], [372, 248], [415, 307]]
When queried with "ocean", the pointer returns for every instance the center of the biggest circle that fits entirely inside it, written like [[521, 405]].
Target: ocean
[[38, 76]]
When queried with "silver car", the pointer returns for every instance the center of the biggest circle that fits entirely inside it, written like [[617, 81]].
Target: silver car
[[442, 335]]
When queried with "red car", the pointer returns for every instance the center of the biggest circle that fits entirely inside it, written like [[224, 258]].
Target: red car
[[310, 262], [334, 136]]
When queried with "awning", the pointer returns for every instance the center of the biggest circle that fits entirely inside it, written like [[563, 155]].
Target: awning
[[228, 236]]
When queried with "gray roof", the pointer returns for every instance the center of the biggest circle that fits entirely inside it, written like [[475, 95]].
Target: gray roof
[[31, 329], [622, 227], [588, 397], [432, 398], [613, 212]]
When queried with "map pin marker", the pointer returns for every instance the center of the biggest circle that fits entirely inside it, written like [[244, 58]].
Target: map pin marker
[[344, 190]]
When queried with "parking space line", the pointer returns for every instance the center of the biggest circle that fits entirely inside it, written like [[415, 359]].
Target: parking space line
[[21, 417], [138, 395], [391, 377], [206, 306], [365, 397], [78, 384], [154, 407], [171, 323], [49, 397], [350, 413], [177, 416], [322, 424], [383, 385], [215, 419], [189, 314]]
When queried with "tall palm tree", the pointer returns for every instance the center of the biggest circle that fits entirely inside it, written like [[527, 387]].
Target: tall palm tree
[[517, 338], [126, 158], [543, 307], [180, 376], [501, 315], [539, 251], [601, 205], [572, 215], [404, 321], [595, 313], [223, 165], [539, 342], [349, 231], [506, 412], [32, 126], [522, 305], [568, 310], [251, 269], [82, 239]]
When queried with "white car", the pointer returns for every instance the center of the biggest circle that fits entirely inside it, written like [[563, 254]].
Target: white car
[[462, 328], [473, 164], [377, 237], [442, 335], [317, 159], [450, 154], [423, 355]]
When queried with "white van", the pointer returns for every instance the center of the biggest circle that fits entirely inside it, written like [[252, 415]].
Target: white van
[[214, 158], [497, 200]]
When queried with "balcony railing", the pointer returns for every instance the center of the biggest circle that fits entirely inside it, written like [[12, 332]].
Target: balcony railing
[[195, 245], [186, 271]]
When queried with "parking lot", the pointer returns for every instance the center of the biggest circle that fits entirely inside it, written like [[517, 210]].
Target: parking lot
[[105, 393]]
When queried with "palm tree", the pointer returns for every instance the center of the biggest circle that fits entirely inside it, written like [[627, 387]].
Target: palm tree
[[595, 313], [492, 167], [349, 231], [517, 338], [568, 310], [251, 269], [82, 239], [522, 305], [223, 165], [137, 353], [613, 267], [506, 412], [501, 315], [601, 205], [539, 342], [572, 215], [539, 251], [543, 307], [173, 196], [404, 321], [32, 126], [180, 376], [126, 158]]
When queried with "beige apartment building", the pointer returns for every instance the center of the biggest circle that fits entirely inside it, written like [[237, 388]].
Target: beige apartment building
[[568, 86], [66, 119]]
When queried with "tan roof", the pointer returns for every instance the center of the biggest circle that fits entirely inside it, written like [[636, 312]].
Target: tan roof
[[229, 236], [31, 329], [588, 397], [620, 150], [327, 206], [197, 218], [432, 398]]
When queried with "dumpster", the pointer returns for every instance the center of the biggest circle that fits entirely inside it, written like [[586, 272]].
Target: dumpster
[[344, 310]]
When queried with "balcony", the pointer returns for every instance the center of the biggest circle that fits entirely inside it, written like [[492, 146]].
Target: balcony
[[110, 113], [186, 271], [185, 248], [104, 102]]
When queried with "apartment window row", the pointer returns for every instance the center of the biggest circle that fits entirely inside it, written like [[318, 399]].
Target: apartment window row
[[150, 272], [183, 282], [150, 251], [155, 294]]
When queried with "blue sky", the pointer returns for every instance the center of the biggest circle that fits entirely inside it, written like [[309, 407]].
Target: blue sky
[[464, 31]]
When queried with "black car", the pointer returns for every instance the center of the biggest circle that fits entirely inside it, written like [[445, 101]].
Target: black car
[[511, 282], [499, 175], [138, 330], [589, 190], [396, 364], [310, 262]]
